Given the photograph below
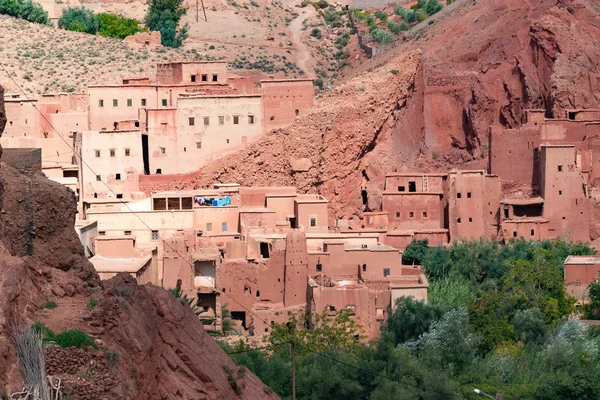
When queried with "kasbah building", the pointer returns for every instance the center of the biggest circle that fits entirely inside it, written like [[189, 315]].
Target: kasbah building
[[268, 251]]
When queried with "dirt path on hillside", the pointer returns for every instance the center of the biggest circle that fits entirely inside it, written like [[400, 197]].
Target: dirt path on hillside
[[303, 53]]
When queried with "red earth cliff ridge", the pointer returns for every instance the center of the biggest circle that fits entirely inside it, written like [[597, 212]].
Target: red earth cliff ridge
[[150, 346]]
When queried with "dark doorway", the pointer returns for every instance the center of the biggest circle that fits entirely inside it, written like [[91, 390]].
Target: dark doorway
[[239, 316], [293, 223], [145, 154], [363, 194], [264, 250], [412, 186]]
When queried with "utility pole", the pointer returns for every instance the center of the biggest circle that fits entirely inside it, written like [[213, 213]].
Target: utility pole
[[203, 10], [293, 356], [196, 10]]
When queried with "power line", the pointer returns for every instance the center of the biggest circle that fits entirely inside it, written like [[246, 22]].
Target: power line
[[121, 200], [378, 375]]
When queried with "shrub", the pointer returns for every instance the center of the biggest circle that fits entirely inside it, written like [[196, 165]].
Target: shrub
[[423, 16], [411, 16], [42, 330], [397, 28], [381, 15], [72, 338], [25, 9], [321, 4], [399, 11], [113, 25], [50, 305], [91, 304], [316, 33], [432, 7], [78, 19]]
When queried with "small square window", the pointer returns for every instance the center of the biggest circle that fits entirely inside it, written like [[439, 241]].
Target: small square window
[[97, 152], [198, 145], [98, 178], [118, 177], [129, 102], [514, 234], [468, 195], [191, 121], [215, 77], [236, 119], [208, 227], [127, 152], [250, 119], [101, 233], [158, 171], [386, 272], [100, 103], [127, 233], [401, 188], [313, 222], [119, 195], [424, 214], [143, 102], [204, 78], [319, 267], [224, 226], [411, 214], [221, 120], [470, 219], [154, 235], [458, 195], [115, 103], [532, 232], [397, 215], [164, 102], [163, 150], [227, 141], [458, 220], [560, 192], [193, 78], [364, 267], [206, 121], [112, 152], [560, 168]]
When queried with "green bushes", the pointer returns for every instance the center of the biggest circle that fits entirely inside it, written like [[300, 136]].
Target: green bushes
[[381, 36], [164, 16], [381, 15], [113, 25], [316, 33], [397, 28], [68, 338], [91, 304], [50, 305], [78, 19], [24, 9]]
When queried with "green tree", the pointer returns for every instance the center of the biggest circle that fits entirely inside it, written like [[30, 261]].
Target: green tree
[[529, 325], [410, 319], [113, 25], [78, 19], [432, 7], [416, 251], [381, 36], [9, 7], [164, 16]]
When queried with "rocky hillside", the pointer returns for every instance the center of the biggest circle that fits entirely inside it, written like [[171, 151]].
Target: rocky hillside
[[479, 64], [149, 346]]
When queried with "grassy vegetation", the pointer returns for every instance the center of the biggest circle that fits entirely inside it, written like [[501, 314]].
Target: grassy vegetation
[[50, 305], [25, 9], [91, 304], [68, 338]]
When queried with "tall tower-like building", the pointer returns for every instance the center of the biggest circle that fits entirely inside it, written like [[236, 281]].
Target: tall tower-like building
[[296, 269]]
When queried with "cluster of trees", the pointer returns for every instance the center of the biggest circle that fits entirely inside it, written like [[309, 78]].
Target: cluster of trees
[[419, 11], [497, 319], [80, 19], [164, 16], [25, 9]]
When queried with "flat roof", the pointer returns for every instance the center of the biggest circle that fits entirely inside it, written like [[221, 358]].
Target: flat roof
[[417, 174], [390, 193], [110, 264], [185, 96], [558, 145], [589, 260], [522, 201], [527, 220], [378, 247], [335, 235], [180, 193], [256, 210], [409, 232], [288, 80], [310, 198]]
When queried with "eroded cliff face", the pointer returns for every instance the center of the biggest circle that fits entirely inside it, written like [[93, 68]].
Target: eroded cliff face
[[150, 345], [478, 64]]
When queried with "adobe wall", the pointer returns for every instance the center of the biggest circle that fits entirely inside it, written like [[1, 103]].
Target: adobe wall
[[129, 167], [114, 247], [156, 183], [533, 230], [283, 205], [265, 220], [22, 119], [565, 204], [377, 220], [284, 100], [256, 196], [578, 277], [104, 117], [398, 240], [307, 211], [434, 238], [423, 183], [296, 269], [54, 150], [426, 208], [473, 205], [221, 219], [513, 154], [317, 241], [594, 147]]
